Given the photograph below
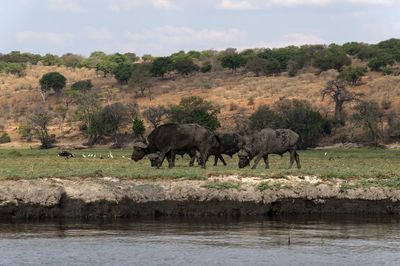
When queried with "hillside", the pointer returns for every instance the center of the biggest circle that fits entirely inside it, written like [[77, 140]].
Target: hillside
[[237, 95]]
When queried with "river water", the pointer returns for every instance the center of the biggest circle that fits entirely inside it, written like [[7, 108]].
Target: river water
[[313, 241]]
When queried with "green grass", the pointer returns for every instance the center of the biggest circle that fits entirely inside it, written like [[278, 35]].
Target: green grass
[[366, 167], [222, 185]]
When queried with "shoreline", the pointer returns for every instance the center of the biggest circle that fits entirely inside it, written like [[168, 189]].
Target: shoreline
[[108, 197]]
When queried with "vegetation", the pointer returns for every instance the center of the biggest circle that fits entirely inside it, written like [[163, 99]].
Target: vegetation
[[4, 138], [360, 167]]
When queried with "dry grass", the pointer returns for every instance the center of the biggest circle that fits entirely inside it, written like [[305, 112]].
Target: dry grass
[[229, 91]]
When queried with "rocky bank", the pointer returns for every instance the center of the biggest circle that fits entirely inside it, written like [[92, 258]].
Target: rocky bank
[[112, 197]]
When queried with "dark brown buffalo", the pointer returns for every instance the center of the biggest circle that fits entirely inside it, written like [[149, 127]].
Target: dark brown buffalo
[[171, 138], [228, 144], [268, 141]]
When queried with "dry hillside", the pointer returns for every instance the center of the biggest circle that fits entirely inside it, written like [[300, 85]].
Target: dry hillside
[[237, 95]]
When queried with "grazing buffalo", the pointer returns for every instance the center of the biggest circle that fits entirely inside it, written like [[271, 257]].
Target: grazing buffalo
[[65, 154], [171, 138], [155, 157], [268, 141], [228, 144]]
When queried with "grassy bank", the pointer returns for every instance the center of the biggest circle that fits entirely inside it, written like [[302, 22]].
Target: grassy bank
[[367, 167]]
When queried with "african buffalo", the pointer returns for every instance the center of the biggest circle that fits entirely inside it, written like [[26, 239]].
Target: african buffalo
[[228, 144], [155, 157], [268, 141], [172, 138]]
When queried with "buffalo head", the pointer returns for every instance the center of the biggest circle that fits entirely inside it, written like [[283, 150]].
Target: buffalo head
[[244, 158], [140, 149], [154, 159]]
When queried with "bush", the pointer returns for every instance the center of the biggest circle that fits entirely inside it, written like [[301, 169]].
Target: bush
[[206, 68], [387, 71], [26, 130], [5, 138]]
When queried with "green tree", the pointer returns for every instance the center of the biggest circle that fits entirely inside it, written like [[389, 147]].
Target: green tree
[[123, 72], [206, 67], [185, 65], [15, 68], [82, 86], [52, 60], [233, 61], [107, 67], [194, 109], [332, 58], [138, 127], [265, 118], [4, 138], [352, 75], [52, 80], [272, 66], [25, 129], [162, 65], [369, 116]]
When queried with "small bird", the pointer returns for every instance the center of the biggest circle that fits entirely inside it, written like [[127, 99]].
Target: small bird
[[110, 155], [83, 155], [325, 153], [123, 156]]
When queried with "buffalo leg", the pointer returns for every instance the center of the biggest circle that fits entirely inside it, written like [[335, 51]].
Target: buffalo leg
[[203, 156], [162, 157], [215, 160], [297, 158], [192, 158], [221, 158], [259, 156], [266, 161], [292, 156], [173, 156]]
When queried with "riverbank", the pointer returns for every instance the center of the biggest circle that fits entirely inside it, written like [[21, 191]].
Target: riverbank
[[218, 196]]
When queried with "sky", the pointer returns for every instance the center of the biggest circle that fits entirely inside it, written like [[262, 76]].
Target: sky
[[162, 27]]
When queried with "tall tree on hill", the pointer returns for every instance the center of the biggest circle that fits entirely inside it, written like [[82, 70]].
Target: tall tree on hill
[[140, 79], [40, 119], [233, 61], [112, 118], [369, 116], [337, 90], [51, 80]]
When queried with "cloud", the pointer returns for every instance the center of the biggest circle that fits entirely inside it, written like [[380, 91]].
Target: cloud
[[98, 33], [300, 2], [126, 5], [62, 39], [64, 5], [228, 4], [377, 2], [297, 39], [167, 39]]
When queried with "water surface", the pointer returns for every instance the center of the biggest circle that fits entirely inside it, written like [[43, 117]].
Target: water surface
[[338, 241]]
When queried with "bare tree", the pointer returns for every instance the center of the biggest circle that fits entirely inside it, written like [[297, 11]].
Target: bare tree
[[338, 92], [41, 119], [132, 111], [155, 115], [112, 118], [141, 80]]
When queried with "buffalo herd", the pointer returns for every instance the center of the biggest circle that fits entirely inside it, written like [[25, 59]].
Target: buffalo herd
[[200, 142]]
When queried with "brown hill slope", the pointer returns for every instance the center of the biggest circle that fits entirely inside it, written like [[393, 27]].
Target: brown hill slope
[[237, 95]]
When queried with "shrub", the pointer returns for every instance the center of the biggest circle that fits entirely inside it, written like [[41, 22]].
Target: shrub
[[206, 68], [4, 138], [25, 129]]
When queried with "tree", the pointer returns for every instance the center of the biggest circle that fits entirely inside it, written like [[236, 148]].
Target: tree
[[265, 118], [332, 58], [51, 80], [61, 112], [299, 116], [272, 66], [87, 109], [52, 60], [185, 65], [162, 65], [123, 72], [140, 79], [25, 129], [155, 114], [147, 58], [382, 60], [233, 61], [369, 116], [71, 60], [352, 75], [194, 109], [107, 67], [138, 127], [82, 86], [336, 89], [15, 68], [112, 118], [257, 65], [40, 119]]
